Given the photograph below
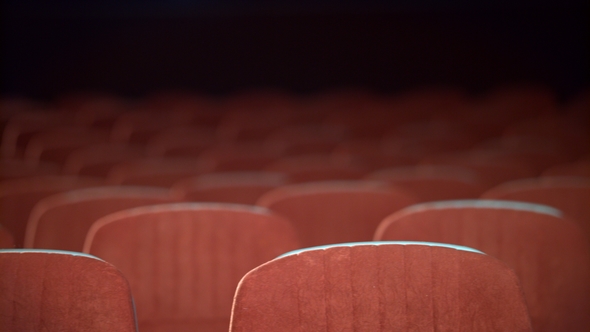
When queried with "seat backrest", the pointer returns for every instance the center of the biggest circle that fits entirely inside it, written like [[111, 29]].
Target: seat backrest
[[19, 196], [335, 211], [381, 287], [184, 260], [433, 182], [228, 187], [548, 252], [62, 291], [61, 221], [568, 194]]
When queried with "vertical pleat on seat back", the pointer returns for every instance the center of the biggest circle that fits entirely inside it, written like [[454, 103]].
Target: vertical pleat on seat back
[[184, 261], [380, 287], [548, 252], [62, 291]]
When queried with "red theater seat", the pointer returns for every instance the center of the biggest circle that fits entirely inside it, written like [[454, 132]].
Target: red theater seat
[[381, 286], [549, 253], [184, 261], [568, 194], [61, 221], [62, 291], [228, 187], [433, 183], [19, 196], [335, 211], [242, 156]]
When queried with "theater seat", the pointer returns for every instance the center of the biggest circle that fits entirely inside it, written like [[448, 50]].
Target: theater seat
[[335, 211], [62, 291], [433, 182], [19, 196], [568, 194], [61, 221], [184, 260], [548, 252], [381, 286]]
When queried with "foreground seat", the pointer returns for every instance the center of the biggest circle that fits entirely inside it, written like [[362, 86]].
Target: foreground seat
[[184, 261], [548, 252], [62, 291], [381, 286]]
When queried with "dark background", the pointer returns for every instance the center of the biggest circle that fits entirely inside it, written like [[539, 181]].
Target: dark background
[[133, 48]]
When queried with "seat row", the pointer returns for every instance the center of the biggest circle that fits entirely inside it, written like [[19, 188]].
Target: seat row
[[164, 249]]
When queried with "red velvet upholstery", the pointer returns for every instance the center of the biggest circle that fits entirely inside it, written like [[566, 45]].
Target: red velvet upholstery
[[19, 196], [380, 287], [61, 221], [184, 261], [6, 239], [228, 187], [62, 291], [161, 172], [433, 183], [311, 168], [335, 212], [549, 253], [570, 195]]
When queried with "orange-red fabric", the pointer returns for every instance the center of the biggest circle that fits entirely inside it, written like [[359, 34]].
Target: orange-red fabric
[[61, 221], [549, 254], [380, 288], [44, 291], [570, 195], [184, 261], [19, 196], [335, 212]]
